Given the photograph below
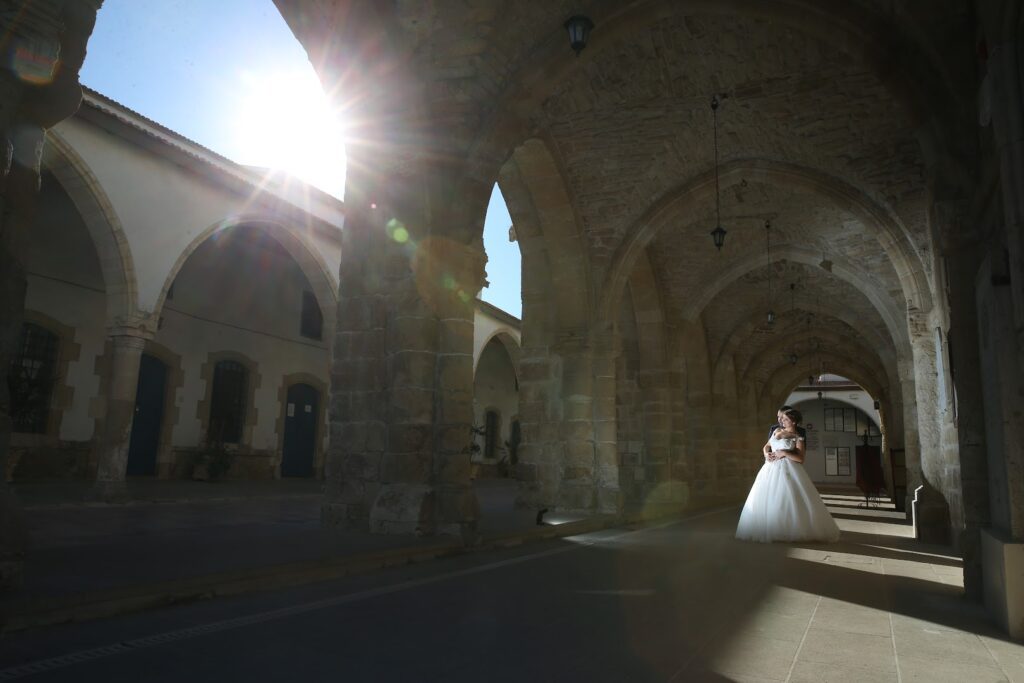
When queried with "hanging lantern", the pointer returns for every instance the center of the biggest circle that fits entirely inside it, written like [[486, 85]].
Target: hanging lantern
[[579, 31], [718, 235]]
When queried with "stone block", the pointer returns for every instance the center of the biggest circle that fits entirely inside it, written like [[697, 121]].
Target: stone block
[[526, 471], [577, 408], [453, 438], [412, 369], [578, 474], [456, 335], [361, 466], [406, 467], [455, 406], [411, 404], [606, 454], [580, 430], [399, 504], [452, 468], [534, 370], [407, 333], [455, 372], [410, 437], [579, 453], [609, 501], [576, 498]]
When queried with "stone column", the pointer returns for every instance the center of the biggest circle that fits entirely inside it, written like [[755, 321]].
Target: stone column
[[933, 508], [1007, 111], [358, 404], [121, 379], [963, 259], [402, 379], [44, 46]]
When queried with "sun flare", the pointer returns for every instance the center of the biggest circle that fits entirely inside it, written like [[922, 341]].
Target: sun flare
[[285, 122]]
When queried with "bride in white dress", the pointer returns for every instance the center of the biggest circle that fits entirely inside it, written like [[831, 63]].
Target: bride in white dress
[[783, 504]]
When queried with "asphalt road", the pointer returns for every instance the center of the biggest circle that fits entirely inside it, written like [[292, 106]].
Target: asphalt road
[[609, 606]]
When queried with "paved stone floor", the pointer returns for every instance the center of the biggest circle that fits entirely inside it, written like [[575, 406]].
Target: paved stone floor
[[679, 601]]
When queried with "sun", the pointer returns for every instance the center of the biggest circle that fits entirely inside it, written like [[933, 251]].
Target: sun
[[283, 121]]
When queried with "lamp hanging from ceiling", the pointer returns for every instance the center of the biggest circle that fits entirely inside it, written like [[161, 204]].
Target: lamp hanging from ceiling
[[718, 234], [768, 242], [579, 28]]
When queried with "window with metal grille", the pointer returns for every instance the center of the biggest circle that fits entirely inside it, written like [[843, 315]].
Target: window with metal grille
[[227, 401], [491, 434], [312, 323], [31, 378]]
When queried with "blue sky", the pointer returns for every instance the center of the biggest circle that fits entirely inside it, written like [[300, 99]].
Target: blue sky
[[203, 68]]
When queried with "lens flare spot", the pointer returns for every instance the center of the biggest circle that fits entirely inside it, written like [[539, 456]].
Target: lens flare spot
[[35, 65], [448, 282], [464, 296], [397, 231]]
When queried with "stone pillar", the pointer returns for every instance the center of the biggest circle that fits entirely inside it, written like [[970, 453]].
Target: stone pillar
[[448, 274], [402, 379], [963, 259], [120, 381], [1007, 115], [44, 46], [359, 397], [933, 506], [1002, 543]]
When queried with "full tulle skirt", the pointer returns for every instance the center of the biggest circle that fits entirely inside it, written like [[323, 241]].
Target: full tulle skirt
[[784, 505]]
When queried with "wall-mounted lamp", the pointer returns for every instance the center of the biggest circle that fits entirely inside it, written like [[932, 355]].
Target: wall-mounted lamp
[[579, 28]]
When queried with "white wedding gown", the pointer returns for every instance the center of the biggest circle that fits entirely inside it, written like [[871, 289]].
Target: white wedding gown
[[783, 504]]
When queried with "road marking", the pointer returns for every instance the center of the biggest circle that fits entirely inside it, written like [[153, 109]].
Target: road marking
[[136, 644]]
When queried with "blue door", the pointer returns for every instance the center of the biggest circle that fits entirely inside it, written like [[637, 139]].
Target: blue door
[[301, 410], [148, 418]]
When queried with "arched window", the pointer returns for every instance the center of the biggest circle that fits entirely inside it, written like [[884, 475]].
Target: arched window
[[492, 425], [31, 377], [227, 401]]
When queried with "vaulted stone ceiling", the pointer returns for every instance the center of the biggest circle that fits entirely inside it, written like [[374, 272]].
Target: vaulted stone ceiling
[[811, 90]]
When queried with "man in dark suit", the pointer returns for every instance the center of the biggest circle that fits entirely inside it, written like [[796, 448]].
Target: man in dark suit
[[778, 423]]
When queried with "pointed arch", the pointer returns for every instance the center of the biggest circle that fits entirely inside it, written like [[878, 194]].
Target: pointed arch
[[882, 223], [293, 240], [104, 226]]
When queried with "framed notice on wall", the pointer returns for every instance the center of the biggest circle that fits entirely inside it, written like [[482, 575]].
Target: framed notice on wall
[[831, 462], [813, 440], [837, 461]]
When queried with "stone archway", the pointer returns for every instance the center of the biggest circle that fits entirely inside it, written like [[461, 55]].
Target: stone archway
[[309, 259], [104, 227], [885, 227]]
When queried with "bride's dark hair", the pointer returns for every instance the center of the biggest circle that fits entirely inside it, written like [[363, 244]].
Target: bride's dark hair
[[794, 415]]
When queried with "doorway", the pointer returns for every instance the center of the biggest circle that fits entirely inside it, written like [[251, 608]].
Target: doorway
[[149, 416], [300, 422]]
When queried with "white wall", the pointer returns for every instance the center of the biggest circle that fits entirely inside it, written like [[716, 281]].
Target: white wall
[[494, 387], [65, 283], [237, 293], [818, 439], [163, 207]]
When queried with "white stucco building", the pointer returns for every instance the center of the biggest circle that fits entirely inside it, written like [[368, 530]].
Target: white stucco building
[[207, 290]]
